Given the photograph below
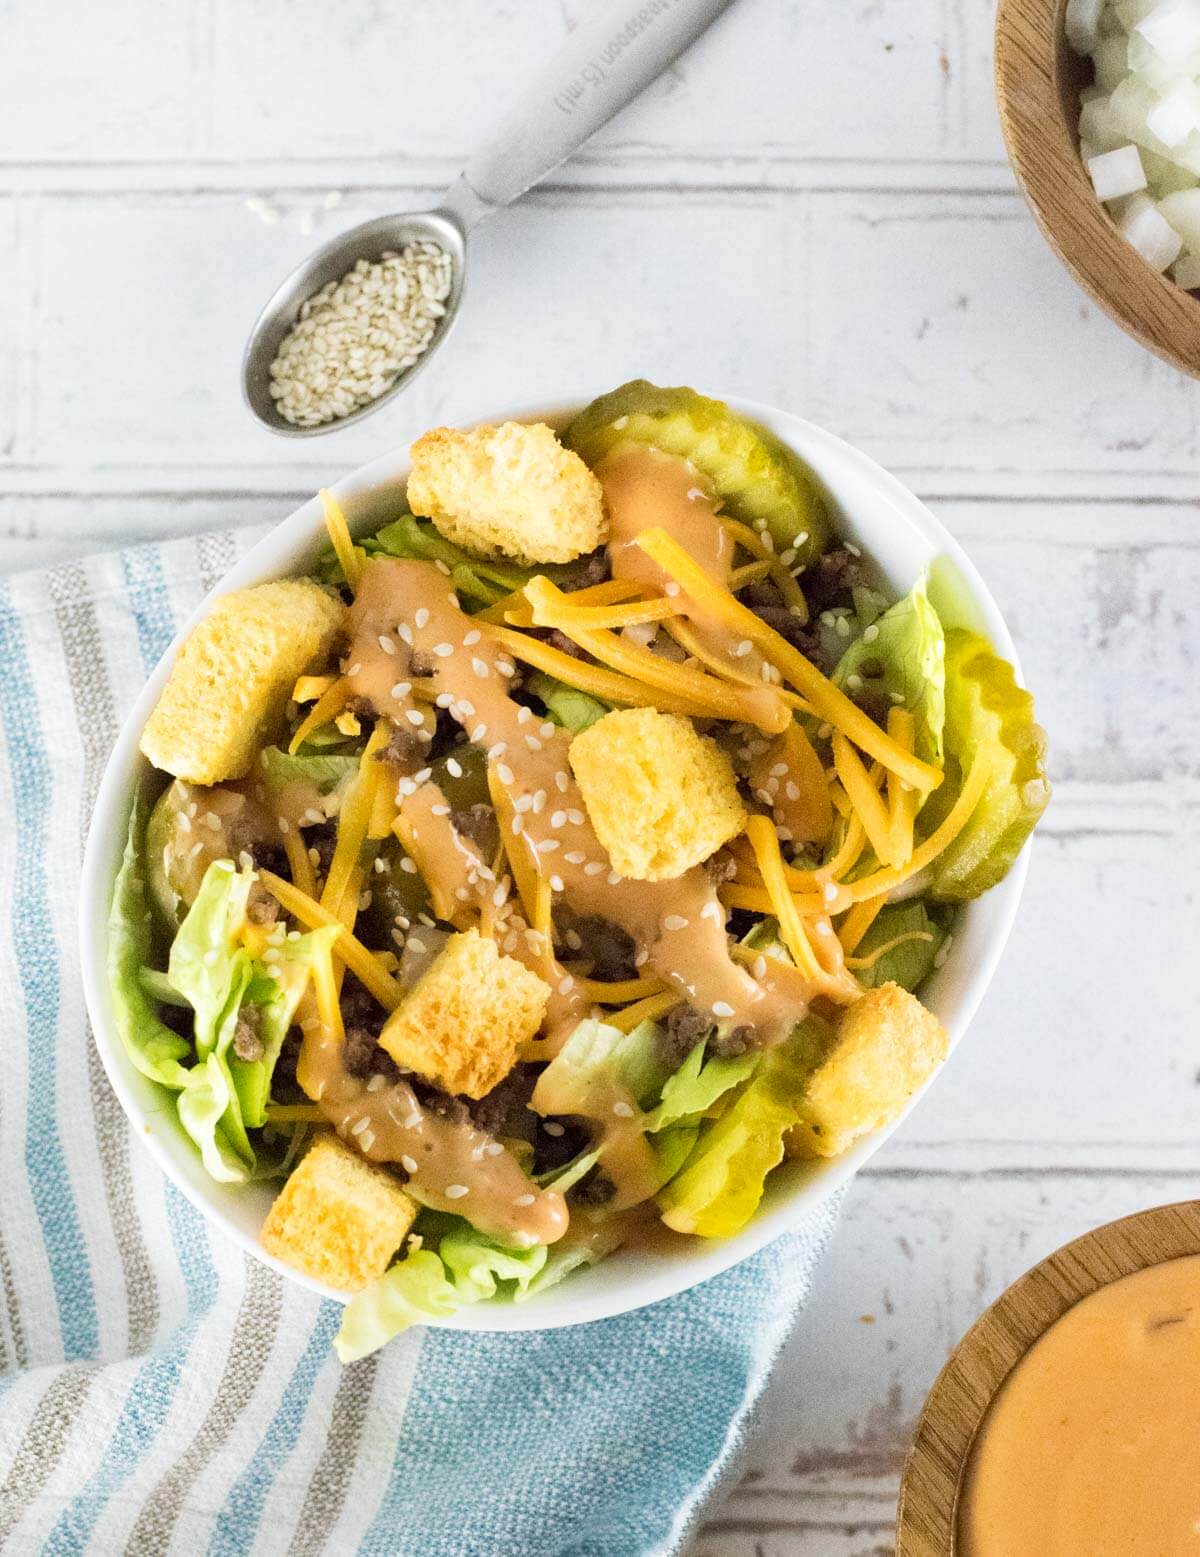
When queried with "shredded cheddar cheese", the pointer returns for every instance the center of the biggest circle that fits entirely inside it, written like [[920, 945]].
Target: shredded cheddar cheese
[[831, 703], [339, 533], [765, 843], [367, 966]]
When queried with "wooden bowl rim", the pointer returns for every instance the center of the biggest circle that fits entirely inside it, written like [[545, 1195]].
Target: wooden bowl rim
[[1031, 56], [934, 1470]]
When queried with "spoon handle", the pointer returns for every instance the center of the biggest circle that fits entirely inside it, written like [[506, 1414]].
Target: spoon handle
[[604, 64]]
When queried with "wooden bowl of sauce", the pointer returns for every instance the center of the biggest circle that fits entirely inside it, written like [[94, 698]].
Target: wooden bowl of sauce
[[1067, 1421], [1038, 77]]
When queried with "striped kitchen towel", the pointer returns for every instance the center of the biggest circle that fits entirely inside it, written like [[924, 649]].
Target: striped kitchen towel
[[163, 1393]]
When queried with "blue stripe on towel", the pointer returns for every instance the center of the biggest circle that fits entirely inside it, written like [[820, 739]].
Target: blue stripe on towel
[[544, 1405], [153, 1390], [238, 1521], [37, 961], [154, 1387]]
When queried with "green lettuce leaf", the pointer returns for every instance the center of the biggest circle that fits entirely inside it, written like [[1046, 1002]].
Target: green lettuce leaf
[[910, 964], [698, 1085], [905, 661], [476, 1264], [719, 1187], [149, 1042], [207, 1105], [412, 1292], [325, 770], [574, 710], [206, 960], [595, 1057], [480, 581], [276, 990]]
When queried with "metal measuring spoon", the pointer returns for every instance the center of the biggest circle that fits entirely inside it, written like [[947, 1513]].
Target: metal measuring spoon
[[601, 67]]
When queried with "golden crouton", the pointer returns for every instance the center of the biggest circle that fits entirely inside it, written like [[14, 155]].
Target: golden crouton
[[460, 1024], [338, 1218], [508, 491], [229, 686], [660, 797], [886, 1046]]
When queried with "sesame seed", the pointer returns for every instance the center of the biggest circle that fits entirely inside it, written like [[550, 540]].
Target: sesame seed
[[479, 733], [360, 332], [524, 1200], [386, 644], [558, 819], [438, 810], [575, 857], [456, 1191], [546, 731], [539, 800], [556, 884], [870, 633], [712, 910], [672, 589], [825, 732], [842, 626], [831, 892], [360, 1125], [497, 751], [405, 633], [442, 567], [897, 698], [787, 557], [552, 1128], [184, 822], [779, 769], [409, 1164], [855, 551], [743, 648], [479, 667], [623, 1110], [415, 716], [533, 743], [443, 650], [593, 867], [566, 985], [561, 781], [547, 846], [799, 540], [504, 773], [854, 681], [377, 1083], [408, 866], [284, 826], [722, 1008], [613, 878], [759, 969], [454, 767], [402, 689], [575, 817], [675, 922], [823, 927], [413, 1122]]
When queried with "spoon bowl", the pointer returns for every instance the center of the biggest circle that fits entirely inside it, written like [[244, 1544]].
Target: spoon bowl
[[369, 241]]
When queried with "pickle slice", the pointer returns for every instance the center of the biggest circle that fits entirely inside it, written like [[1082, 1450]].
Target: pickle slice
[[986, 712], [758, 480]]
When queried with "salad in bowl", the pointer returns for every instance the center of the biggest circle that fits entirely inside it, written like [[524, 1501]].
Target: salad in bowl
[[547, 871]]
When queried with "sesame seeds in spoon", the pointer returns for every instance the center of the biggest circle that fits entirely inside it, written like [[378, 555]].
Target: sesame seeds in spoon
[[341, 335]]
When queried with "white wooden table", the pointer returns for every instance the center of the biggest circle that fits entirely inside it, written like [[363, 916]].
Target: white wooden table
[[813, 209]]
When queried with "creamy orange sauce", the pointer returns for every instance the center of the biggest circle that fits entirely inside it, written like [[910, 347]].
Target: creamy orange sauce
[[1092, 1446], [678, 926], [646, 489]]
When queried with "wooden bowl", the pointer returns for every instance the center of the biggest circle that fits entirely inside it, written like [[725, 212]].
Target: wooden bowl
[[1038, 77], [927, 1517]]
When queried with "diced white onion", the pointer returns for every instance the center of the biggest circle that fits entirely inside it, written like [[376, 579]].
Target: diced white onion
[[1150, 233], [1083, 24], [1172, 29], [1186, 271], [1173, 117], [1116, 173], [1139, 123]]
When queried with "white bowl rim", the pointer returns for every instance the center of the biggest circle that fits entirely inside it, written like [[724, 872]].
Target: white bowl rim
[[781, 1211]]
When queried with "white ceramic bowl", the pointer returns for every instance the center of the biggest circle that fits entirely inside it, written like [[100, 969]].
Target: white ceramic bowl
[[902, 537]]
